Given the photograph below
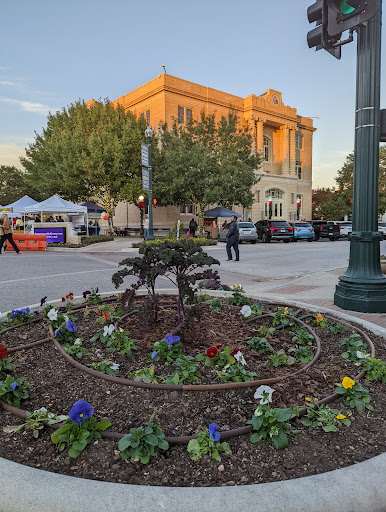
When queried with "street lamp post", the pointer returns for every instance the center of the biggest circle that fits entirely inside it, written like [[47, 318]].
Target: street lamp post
[[141, 207], [149, 134], [363, 287]]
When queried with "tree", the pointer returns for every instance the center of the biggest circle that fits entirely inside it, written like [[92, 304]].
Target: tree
[[345, 180], [88, 152], [205, 163], [13, 185], [320, 196]]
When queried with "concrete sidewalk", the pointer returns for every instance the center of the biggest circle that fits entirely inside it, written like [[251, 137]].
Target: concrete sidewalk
[[119, 244]]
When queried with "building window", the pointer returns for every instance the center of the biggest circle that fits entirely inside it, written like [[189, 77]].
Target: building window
[[267, 149], [274, 204], [292, 198], [258, 196], [298, 170], [147, 116], [186, 209], [181, 114], [184, 115], [298, 141]]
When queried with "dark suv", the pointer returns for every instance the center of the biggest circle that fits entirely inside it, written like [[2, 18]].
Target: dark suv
[[326, 229], [268, 230]]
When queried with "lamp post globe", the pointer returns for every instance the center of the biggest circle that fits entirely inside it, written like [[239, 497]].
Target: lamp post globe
[[149, 134]]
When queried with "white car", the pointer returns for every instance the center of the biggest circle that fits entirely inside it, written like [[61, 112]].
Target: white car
[[382, 227], [345, 228]]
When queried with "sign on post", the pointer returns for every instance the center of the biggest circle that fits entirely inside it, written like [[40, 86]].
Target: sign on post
[[144, 154], [145, 179]]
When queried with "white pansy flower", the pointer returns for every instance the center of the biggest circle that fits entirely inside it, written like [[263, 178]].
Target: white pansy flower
[[246, 311], [42, 409], [362, 355], [274, 431], [240, 358], [78, 342], [52, 314], [108, 330], [258, 411], [114, 366], [264, 393]]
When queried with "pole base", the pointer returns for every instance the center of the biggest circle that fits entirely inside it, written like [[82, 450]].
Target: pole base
[[362, 297]]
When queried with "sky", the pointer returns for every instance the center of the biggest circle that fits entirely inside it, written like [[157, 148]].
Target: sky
[[53, 54]]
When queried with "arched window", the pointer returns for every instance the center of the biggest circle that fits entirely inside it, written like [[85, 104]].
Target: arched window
[[267, 149]]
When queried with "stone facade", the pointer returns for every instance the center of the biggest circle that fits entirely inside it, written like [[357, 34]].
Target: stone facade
[[280, 134]]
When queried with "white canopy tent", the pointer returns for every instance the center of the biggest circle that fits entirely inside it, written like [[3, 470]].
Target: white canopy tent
[[56, 204], [17, 207]]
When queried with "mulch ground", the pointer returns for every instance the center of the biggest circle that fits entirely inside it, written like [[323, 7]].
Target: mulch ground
[[56, 385]]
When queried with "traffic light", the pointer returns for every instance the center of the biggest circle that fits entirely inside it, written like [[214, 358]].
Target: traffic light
[[348, 14], [319, 37]]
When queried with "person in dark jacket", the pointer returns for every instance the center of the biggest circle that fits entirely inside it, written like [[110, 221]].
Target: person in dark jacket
[[233, 239], [193, 228]]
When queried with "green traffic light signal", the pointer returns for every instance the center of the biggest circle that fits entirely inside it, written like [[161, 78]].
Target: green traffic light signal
[[344, 8]]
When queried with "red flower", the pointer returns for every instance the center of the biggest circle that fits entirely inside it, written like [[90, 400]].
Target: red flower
[[211, 352], [218, 345], [3, 351], [69, 296], [235, 350], [63, 299]]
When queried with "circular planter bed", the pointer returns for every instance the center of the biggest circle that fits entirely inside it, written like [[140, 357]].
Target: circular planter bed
[[58, 379]]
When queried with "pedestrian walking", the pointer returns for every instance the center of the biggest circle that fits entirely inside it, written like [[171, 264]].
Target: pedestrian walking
[[146, 227], [233, 238], [6, 226], [193, 228]]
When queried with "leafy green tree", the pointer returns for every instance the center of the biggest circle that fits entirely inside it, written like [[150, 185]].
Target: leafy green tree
[[338, 203], [13, 185], [88, 152], [320, 196], [206, 162]]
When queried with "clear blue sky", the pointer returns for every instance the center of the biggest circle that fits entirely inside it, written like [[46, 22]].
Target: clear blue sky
[[53, 53]]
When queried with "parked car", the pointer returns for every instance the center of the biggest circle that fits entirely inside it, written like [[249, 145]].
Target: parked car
[[302, 231], [326, 229], [345, 228], [268, 230], [247, 232], [382, 227]]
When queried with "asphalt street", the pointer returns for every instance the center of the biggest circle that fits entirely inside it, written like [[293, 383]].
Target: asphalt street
[[25, 279]]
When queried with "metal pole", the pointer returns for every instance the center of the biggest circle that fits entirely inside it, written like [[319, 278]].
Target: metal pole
[[151, 234], [363, 287]]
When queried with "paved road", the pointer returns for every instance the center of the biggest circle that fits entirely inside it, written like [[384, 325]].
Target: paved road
[[25, 279]]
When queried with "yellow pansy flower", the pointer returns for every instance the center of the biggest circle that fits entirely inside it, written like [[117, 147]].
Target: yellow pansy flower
[[348, 383], [286, 311], [319, 318], [340, 417], [308, 399]]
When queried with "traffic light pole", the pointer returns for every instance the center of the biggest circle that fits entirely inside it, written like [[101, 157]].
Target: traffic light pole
[[151, 230], [363, 287]]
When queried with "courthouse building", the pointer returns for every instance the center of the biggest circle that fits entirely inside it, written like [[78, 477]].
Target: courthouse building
[[282, 136]]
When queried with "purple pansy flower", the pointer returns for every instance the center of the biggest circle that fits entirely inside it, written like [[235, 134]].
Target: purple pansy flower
[[62, 309], [80, 411], [70, 326], [37, 313], [43, 301], [14, 386], [97, 290], [57, 333], [214, 434], [171, 339], [260, 303], [155, 355], [85, 293]]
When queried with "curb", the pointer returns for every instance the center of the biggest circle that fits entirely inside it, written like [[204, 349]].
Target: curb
[[357, 488], [26, 489]]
